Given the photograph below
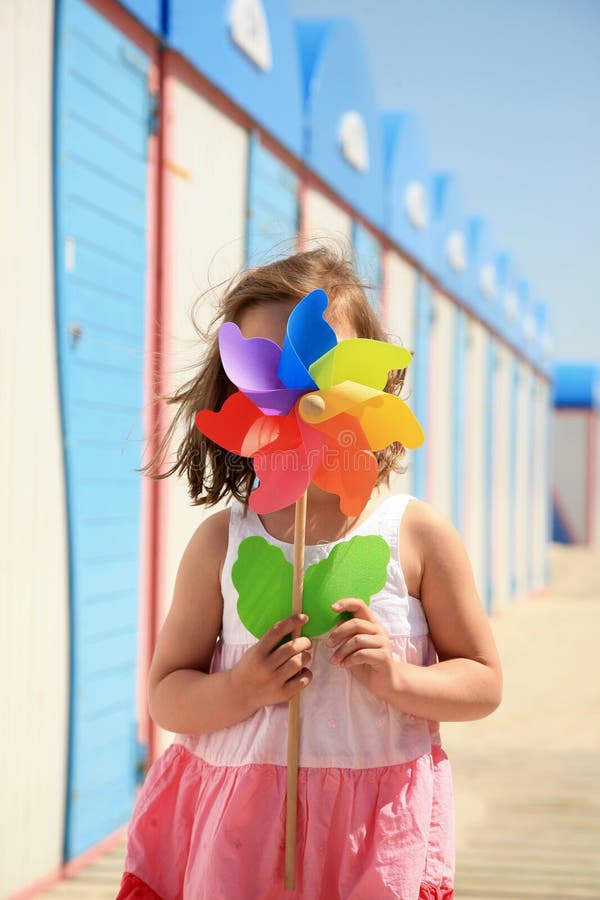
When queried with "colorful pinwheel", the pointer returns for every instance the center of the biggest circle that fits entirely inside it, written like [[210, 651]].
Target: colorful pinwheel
[[312, 410]]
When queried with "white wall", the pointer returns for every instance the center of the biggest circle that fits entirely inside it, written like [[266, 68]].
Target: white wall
[[500, 531], [399, 317], [206, 185], [34, 645], [524, 498], [542, 410], [324, 222], [475, 415], [440, 437]]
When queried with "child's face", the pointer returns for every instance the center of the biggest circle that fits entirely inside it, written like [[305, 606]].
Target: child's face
[[270, 320]]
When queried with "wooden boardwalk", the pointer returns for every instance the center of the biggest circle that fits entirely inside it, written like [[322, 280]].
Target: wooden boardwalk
[[527, 779]]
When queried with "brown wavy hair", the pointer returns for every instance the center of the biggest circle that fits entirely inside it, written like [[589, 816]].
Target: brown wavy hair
[[211, 473]]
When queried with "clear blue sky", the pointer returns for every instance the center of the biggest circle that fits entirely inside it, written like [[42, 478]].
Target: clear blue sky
[[508, 92]]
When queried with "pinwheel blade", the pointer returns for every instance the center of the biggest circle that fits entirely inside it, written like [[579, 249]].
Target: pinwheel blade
[[384, 418], [361, 360], [240, 427], [252, 364], [308, 336]]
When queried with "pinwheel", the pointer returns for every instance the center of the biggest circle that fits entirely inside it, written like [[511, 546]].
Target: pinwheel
[[313, 410]]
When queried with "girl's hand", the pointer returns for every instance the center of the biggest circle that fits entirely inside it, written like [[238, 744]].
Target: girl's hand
[[363, 646], [268, 673]]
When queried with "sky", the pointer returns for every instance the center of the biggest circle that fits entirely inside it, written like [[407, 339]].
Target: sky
[[508, 94]]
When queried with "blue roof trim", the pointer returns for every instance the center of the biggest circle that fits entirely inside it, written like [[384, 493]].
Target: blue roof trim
[[148, 12], [508, 294], [200, 31], [449, 220], [332, 88], [406, 164], [577, 385], [545, 338], [482, 275], [527, 341]]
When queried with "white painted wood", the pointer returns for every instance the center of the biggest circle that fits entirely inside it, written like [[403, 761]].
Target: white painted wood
[[440, 438], [476, 412], [206, 172], [399, 317], [325, 223], [33, 545], [540, 481], [523, 478], [500, 532]]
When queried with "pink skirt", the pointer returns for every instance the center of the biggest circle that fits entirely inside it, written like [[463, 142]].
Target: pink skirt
[[203, 832]]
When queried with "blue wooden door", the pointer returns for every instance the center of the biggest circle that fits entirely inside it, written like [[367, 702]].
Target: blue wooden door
[[273, 208], [367, 261], [100, 169]]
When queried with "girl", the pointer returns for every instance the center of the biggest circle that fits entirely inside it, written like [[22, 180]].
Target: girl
[[375, 809]]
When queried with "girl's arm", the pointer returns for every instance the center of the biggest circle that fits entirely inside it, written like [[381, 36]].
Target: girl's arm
[[466, 683], [182, 696]]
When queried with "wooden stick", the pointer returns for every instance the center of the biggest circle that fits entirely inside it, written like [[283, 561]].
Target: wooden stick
[[294, 704]]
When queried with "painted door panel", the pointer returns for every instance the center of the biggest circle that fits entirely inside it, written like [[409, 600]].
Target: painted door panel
[[367, 253], [273, 209], [101, 135]]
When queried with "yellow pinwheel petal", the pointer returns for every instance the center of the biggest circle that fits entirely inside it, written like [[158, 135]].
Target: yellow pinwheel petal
[[384, 418], [361, 360], [387, 419]]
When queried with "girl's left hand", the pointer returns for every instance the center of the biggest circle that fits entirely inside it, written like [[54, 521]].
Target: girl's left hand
[[363, 646]]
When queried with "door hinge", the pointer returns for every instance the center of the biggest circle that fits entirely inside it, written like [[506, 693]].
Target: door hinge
[[153, 112]]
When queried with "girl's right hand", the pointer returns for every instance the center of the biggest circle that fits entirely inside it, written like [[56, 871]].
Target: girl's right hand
[[267, 673]]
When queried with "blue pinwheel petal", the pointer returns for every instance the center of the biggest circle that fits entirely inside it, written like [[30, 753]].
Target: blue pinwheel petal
[[308, 336]]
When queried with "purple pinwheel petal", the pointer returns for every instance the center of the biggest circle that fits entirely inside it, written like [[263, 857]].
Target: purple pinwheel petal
[[308, 336], [251, 364]]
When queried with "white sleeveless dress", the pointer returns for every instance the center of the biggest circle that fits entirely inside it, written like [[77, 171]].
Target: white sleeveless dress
[[375, 808]]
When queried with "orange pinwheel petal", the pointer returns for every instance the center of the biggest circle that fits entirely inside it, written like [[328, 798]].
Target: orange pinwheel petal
[[349, 468]]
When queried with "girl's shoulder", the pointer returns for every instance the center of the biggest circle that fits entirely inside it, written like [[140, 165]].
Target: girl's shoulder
[[208, 542], [425, 532]]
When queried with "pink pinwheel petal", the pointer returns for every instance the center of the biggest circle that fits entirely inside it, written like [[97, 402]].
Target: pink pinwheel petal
[[284, 475]]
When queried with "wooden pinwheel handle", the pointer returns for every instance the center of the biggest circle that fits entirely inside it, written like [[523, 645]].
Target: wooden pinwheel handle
[[294, 704]]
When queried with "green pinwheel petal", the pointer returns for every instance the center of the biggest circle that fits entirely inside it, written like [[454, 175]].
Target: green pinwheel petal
[[263, 579], [359, 359]]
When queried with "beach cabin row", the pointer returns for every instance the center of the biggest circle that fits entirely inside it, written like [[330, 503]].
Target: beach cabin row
[[151, 150]]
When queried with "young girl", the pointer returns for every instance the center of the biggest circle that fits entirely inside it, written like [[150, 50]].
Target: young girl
[[375, 808]]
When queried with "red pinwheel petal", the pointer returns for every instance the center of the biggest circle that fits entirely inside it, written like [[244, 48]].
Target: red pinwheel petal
[[239, 426]]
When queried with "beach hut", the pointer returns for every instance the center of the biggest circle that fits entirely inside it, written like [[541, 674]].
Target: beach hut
[[576, 463]]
